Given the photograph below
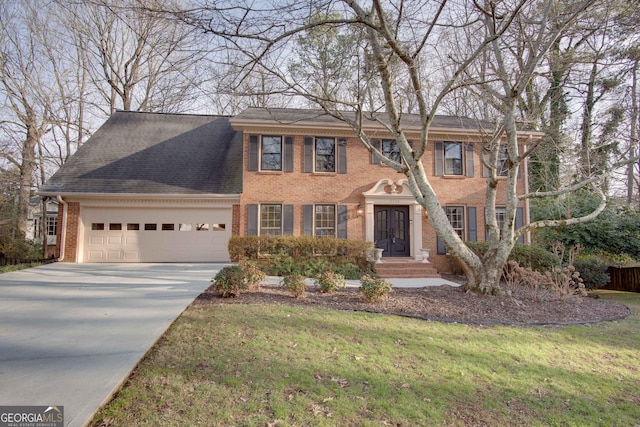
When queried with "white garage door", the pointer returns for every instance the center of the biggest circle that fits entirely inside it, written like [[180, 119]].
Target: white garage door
[[155, 234]]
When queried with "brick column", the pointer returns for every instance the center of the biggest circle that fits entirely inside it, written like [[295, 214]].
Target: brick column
[[71, 238]]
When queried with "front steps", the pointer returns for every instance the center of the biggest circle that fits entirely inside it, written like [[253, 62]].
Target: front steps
[[405, 268]]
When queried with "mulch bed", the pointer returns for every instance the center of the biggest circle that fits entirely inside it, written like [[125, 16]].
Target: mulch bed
[[444, 303]]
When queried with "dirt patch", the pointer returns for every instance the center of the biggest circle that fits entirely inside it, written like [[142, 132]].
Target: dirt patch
[[444, 303]]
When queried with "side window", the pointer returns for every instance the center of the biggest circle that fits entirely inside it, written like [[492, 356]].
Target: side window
[[502, 167], [466, 228], [453, 158], [271, 153], [325, 155], [325, 221], [270, 220], [52, 225], [500, 217], [503, 161], [391, 150], [455, 214]]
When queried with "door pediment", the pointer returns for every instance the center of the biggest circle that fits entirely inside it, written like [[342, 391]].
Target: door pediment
[[390, 192]]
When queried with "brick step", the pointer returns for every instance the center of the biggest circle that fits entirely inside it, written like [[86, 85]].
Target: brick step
[[392, 268]]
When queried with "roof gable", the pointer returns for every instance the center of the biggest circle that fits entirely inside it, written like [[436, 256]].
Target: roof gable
[[155, 153]]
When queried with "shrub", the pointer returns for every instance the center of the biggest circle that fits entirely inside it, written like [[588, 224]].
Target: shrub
[[330, 281], [229, 281], [295, 283], [19, 248], [232, 279], [374, 290], [592, 271], [253, 275]]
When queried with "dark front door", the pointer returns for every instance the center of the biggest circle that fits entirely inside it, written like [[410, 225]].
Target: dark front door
[[391, 230]]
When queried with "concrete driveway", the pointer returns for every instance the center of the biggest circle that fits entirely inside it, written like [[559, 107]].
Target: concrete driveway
[[71, 333]]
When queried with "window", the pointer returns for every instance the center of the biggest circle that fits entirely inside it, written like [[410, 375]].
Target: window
[[202, 227], [325, 155], [52, 225], [219, 227], [271, 153], [455, 214], [325, 220], [503, 161], [168, 227], [270, 220], [391, 150], [453, 158], [151, 227], [501, 215], [184, 227], [133, 227], [97, 226], [115, 227]]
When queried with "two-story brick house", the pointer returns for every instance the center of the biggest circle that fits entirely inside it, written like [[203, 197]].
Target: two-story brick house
[[145, 185]]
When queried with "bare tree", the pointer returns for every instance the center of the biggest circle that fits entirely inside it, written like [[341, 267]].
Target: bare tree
[[136, 60], [27, 94], [508, 40]]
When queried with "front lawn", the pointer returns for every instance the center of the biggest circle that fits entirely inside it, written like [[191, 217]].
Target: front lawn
[[268, 365]]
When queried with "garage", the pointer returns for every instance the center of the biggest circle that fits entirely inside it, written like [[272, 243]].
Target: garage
[[155, 234], [150, 187]]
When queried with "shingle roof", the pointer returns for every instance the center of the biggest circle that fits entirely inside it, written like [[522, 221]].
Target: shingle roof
[[155, 153], [293, 115]]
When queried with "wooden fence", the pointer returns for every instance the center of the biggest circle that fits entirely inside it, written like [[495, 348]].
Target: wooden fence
[[624, 279]]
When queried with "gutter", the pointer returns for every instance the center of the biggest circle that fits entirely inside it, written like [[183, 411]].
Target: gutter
[[63, 237]]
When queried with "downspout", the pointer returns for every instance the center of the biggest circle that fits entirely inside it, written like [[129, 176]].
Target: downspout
[[63, 233], [527, 205]]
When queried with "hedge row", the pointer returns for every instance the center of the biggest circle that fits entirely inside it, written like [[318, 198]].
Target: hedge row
[[254, 247]]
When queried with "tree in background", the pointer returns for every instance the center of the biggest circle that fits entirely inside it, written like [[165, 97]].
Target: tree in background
[[493, 49], [65, 66]]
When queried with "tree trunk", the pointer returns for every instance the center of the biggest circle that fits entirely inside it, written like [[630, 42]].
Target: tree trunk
[[27, 168], [633, 143]]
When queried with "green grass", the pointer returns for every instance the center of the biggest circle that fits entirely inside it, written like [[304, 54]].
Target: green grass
[[254, 365]]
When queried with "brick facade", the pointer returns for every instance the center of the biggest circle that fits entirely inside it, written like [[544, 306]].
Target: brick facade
[[299, 188]]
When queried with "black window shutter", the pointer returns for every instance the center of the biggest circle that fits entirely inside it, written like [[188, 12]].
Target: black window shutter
[[308, 155], [439, 159], [472, 224], [342, 222], [377, 144], [287, 220], [520, 222], [440, 247], [288, 154], [469, 160], [307, 220], [254, 152], [252, 220], [342, 155]]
